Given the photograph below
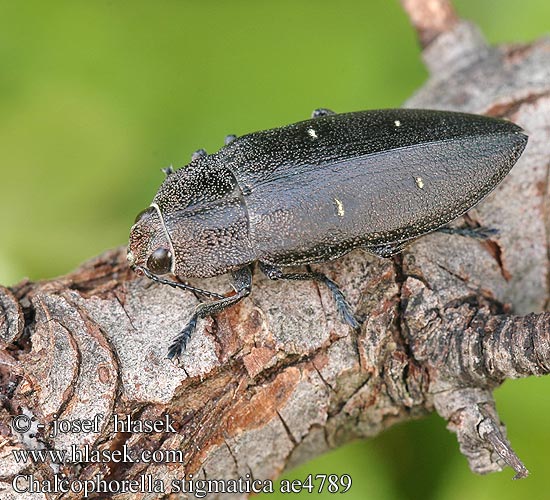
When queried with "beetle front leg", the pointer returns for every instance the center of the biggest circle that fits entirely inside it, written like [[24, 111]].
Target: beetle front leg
[[241, 282], [344, 309]]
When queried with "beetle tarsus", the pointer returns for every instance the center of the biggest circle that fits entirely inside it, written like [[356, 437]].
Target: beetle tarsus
[[478, 233], [345, 312], [321, 112], [180, 342], [229, 139], [168, 170], [199, 153], [242, 283], [387, 250]]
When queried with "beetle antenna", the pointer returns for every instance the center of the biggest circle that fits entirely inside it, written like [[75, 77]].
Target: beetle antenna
[[175, 284]]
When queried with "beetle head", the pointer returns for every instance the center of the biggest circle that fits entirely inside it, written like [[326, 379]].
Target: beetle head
[[150, 247]]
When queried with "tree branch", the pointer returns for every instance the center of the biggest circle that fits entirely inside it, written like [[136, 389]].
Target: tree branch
[[430, 18], [277, 379]]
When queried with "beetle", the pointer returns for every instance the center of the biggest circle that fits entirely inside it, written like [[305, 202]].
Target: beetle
[[311, 192]]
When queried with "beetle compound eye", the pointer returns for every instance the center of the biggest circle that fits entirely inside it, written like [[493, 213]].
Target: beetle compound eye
[[143, 213], [160, 261]]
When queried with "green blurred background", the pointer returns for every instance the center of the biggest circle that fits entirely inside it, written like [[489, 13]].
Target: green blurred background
[[97, 96]]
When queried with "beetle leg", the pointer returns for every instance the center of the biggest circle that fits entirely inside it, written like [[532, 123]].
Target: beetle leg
[[229, 139], [387, 250], [344, 309], [199, 153], [168, 170], [479, 233], [241, 282], [321, 112]]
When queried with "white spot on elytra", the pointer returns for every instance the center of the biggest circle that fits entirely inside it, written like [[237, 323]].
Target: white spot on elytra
[[419, 182], [312, 133], [339, 207], [397, 123]]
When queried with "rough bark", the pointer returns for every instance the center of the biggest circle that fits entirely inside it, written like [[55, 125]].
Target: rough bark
[[277, 379]]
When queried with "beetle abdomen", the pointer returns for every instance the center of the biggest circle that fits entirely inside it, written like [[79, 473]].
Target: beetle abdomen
[[403, 174]]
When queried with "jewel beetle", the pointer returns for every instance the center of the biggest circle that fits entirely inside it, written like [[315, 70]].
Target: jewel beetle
[[312, 191]]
